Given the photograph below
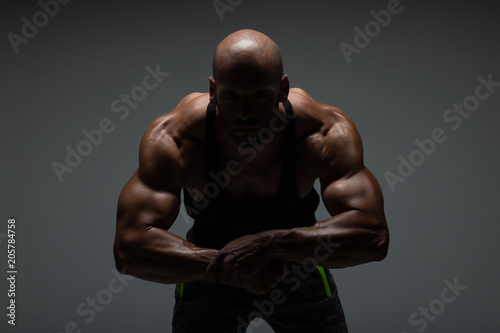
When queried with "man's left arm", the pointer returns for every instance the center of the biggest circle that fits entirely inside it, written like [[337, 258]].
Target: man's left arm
[[356, 232]]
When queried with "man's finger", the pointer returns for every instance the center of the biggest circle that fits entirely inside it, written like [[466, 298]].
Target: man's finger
[[226, 269], [236, 276], [213, 267]]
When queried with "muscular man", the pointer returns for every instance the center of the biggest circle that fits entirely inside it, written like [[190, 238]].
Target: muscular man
[[246, 156]]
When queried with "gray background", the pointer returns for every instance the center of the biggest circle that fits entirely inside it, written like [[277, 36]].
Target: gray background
[[443, 219]]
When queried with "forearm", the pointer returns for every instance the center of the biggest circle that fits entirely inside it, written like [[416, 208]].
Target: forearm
[[344, 240], [160, 256]]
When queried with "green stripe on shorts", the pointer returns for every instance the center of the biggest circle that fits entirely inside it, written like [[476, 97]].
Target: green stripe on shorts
[[325, 281], [320, 269], [181, 289]]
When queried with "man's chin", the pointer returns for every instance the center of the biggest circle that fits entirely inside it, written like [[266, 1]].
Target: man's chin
[[246, 140]]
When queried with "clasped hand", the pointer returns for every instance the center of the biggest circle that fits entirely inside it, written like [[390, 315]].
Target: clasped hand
[[245, 262]]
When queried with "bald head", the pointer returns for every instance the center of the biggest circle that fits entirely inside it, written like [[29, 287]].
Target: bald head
[[250, 49]]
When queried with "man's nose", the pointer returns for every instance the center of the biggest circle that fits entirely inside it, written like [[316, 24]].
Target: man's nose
[[244, 114]]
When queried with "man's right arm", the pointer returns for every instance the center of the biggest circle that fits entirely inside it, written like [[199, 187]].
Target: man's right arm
[[147, 207]]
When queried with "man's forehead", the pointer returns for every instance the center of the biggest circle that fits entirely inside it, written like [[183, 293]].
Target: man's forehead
[[241, 76]]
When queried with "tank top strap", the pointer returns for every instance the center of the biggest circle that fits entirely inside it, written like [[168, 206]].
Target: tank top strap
[[288, 184], [212, 151]]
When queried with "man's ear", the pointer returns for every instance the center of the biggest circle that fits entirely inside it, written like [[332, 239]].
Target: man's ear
[[213, 98], [284, 88]]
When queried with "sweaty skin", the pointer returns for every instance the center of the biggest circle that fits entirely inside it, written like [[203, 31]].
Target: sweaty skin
[[248, 84]]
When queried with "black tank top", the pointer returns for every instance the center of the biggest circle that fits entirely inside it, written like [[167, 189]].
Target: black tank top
[[221, 218]]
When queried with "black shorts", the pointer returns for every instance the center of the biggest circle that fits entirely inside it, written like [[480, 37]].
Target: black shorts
[[306, 300]]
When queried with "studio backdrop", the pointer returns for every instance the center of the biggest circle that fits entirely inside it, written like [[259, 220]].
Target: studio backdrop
[[81, 81]]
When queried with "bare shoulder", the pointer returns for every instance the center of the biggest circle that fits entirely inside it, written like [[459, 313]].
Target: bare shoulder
[[184, 122], [314, 116], [328, 134], [169, 139]]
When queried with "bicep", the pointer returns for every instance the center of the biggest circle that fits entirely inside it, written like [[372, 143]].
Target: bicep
[[141, 207], [346, 183], [151, 198], [359, 191]]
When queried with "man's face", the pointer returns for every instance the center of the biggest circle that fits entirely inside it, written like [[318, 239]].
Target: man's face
[[245, 98]]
